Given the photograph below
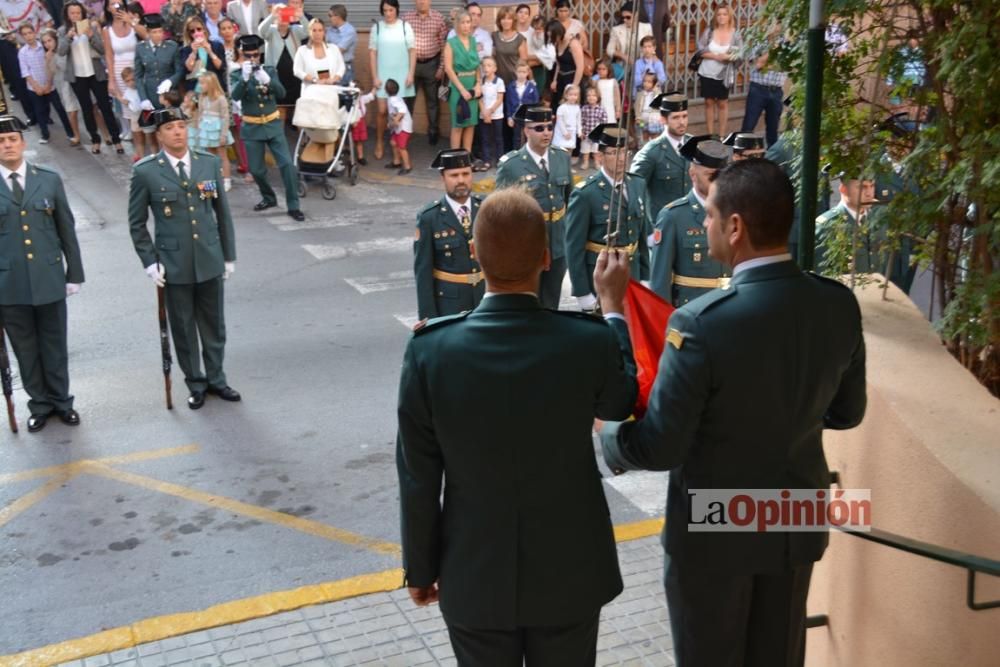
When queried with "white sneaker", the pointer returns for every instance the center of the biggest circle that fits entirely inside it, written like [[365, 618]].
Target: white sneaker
[[43, 141], [227, 184]]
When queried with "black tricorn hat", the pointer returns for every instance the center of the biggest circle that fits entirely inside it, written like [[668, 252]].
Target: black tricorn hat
[[152, 21], [899, 124], [670, 102], [532, 113], [745, 141], [458, 158], [250, 42], [11, 124], [168, 115], [609, 135], [706, 150]]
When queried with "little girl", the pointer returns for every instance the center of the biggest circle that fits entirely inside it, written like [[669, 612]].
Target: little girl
[[491, 114], [568, 119], [213, 114], [521, 91], [359, 131], [592, 114], [131, 111], [609, 90], [649, 124]]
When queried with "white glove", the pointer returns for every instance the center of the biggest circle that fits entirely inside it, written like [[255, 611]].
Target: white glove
[[262, 76], [230, 270], [157, 273], [146, 105], [587, 302], [247, 68], [646, 284], [72, 288], [164, 86]]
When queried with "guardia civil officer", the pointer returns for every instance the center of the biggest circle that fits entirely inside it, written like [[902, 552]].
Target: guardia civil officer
[[37, 236], [659, 163], [448, 277], [193, 252], [258, 89], [745, 145], [157, 66], [609, 193], [545, 171], [681, 267]]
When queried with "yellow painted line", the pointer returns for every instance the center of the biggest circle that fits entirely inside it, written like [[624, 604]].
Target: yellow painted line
[[27, 500], [237, 507], [238, 611], [111, 460]]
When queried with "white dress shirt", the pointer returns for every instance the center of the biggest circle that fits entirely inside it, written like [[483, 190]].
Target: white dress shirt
[[186, 159], [21, 171]]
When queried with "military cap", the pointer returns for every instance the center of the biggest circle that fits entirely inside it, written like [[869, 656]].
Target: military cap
[[532, 113], [670, 102], [452, 159], [250, 42], [168, 115], [707, 151], [609, 135], [11, 124], [899, 124], [152, 21], [745, 141]]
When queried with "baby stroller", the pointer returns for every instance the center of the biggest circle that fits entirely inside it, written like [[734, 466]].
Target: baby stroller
[[324, 115]]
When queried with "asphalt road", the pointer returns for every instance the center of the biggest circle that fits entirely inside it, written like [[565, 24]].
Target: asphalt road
[[295, 485]]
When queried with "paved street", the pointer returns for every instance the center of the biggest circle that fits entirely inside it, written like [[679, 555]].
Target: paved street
[[141, 512]]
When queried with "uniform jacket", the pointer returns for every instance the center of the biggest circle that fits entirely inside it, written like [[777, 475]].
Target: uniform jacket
[[587, 220], [34, 239], [750, 377], [441, 243], [260, 11], [154, 65], [258, 100], [552, 193], [835, 229], [664, 171], [523, 537], [193, 230], [680, 248]]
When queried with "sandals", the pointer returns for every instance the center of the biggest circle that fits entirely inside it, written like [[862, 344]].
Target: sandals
[[393, 165], [75, 143], [96, 149], [119, 149]]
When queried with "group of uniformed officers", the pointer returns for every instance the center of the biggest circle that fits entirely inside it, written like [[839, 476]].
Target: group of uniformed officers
[[653, 209]]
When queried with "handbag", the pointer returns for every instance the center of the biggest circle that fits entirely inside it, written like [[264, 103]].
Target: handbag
[[729, 75], [695, 61]]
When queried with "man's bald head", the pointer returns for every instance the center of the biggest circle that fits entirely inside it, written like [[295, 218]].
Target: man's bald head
[[511, 240]]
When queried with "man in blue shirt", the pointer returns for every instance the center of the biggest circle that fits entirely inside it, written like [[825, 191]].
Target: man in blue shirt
[[345, 37], [648, 62]]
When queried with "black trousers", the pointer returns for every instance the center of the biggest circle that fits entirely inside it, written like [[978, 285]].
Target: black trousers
[[42, 105], [83, 87], [720, 620], [423, 79], [562, 646], [11, 68], [195, 312], [550, 286], [38, 336]]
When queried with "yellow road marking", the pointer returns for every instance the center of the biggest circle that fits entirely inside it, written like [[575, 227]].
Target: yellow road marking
[[24, 502], [246, 509], [110, 460], [238, 611]]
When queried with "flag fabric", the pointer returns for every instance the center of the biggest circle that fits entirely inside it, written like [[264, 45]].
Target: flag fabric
[[647, 315]]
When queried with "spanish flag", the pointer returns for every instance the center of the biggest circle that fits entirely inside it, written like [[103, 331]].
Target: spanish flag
[[647, 315]]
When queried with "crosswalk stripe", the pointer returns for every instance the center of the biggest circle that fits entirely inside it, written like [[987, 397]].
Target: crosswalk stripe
[[283, 224], [324, 251], [395, 280], [647, 491]]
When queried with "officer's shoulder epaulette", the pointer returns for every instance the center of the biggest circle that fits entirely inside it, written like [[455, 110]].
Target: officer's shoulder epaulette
[[558, 149], [430, 207], [506, 156], [144, 161], [710, 299], [683, 201], [201, 153], [439, 322], [579, 315], [47, 170], [476, 197], [590, 179], [826, 280]]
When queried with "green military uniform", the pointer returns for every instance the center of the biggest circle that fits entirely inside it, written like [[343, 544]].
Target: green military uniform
[[448, 277], [512, 555], [587, 225], [36, 234], [552, 192], [194, 238], [681, 268], [889, 184], [263, 128], [835, 231], [154, 64], [664, 170]]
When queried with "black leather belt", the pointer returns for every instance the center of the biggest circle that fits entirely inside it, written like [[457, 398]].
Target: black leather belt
[[423, 61], [764, 85]]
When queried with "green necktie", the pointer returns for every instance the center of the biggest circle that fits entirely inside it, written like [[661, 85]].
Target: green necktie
[[182, 172], [15, 188]]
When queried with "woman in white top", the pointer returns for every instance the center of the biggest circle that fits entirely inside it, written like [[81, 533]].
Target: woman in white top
[[120, 40], [719, 46], [317, 62]]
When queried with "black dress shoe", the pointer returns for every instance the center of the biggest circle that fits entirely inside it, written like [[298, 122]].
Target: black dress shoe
[[37, 423], [70, 417], [196, 399], [264, 205], [226, 393], [432, 138], [296, 215]]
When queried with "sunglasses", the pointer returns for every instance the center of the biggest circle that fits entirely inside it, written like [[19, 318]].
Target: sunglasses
[[541, 128], [626, 17]]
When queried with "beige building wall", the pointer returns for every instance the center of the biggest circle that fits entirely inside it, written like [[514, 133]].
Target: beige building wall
[[929, 450]]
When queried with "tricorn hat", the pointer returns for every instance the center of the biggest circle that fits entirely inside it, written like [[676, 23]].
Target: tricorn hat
[[452, 159], [250, 42], [11, 124], [745, 141], [152, 21], [706, 150], [670, 102], [532, 113], [168, 115], [609, 135]]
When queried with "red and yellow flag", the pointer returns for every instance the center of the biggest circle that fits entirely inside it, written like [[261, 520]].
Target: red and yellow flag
[[647, 315]]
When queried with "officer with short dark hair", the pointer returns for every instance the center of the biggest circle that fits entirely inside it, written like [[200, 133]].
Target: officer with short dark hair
[[659, 162], [745, 145]]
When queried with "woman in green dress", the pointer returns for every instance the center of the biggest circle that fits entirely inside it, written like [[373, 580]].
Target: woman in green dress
[[461, 64]]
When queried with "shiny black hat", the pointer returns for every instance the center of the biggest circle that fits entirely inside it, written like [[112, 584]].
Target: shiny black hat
[[458, 158], [532, 113], [670, 102], [609, 135], [11, 124], [706, 150], [168, 115], [250, 42], [152, 21], [745, 141], [901, 125]]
